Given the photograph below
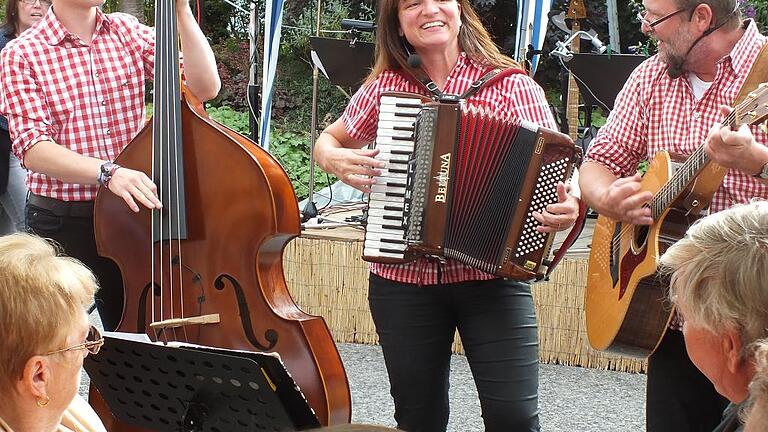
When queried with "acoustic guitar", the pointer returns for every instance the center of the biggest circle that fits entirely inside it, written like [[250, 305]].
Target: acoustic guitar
[[626, 303]]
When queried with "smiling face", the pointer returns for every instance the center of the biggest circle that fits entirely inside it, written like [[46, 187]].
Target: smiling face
[[28, 14], [430, 25], [674, 35]]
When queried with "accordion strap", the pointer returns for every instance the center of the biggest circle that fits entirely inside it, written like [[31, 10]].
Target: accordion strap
[[487, 78], [569, 239]]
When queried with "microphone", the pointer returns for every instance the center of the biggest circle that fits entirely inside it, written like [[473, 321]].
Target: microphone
[[361, 26], [676, 69]]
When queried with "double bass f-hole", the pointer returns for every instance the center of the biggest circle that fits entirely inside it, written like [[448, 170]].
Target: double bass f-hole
[[207, 268]]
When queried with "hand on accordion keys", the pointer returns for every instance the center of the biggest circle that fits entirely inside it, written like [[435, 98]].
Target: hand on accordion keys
[[560, 216], [355, 167]]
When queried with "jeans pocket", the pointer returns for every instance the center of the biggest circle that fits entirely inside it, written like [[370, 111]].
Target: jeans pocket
[[41, 221]]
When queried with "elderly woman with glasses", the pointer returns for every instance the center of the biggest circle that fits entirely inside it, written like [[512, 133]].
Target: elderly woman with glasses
[[44, 337], [19, 16]]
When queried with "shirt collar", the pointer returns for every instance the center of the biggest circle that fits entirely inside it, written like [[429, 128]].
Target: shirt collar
[[55, 32], [750, 42]]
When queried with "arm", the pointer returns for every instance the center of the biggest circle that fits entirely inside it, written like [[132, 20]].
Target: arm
[[608, 180], [24, 101], [200, 70], [53, 160], [341, 155]]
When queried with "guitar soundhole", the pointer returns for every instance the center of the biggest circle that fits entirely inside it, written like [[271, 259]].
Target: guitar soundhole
[[641, 236]]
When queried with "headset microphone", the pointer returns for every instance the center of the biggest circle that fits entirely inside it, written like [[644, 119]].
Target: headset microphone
[[414, 61], [676, 69]]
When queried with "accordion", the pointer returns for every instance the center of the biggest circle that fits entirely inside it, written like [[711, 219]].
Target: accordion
[[462, 183]]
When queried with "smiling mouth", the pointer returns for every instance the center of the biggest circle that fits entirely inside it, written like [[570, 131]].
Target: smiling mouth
[[433, 24]]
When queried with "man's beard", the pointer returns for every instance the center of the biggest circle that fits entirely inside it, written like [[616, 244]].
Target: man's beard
[[676, 60]]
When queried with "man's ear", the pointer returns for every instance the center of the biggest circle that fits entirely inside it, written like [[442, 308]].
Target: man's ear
[[733, 348], [703, 16]]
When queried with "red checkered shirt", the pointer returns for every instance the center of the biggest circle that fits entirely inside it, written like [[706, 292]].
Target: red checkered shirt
[[654, 112], [87, 98], [514, 96]]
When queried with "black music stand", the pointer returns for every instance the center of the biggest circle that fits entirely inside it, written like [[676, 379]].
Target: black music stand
[[346, 63], [600, 77], [196, 389]]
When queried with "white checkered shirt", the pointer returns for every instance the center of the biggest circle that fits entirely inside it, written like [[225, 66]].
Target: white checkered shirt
[[516, 96], [87, 98]]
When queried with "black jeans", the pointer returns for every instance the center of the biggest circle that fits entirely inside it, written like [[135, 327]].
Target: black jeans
[[497, 323], [679, 397], [76, 237]]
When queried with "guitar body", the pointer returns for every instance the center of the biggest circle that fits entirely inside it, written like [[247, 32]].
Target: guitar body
[[626, 303]]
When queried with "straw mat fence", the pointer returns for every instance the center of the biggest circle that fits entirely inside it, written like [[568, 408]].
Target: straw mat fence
[[328, 278]]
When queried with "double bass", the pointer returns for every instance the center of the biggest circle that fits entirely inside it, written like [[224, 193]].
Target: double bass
[[207, 267]]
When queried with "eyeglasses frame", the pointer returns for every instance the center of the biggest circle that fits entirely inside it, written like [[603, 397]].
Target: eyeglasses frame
[[91, 346], [33, 2], [652, 25]]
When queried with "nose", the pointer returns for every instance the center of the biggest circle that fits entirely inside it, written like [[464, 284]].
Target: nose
[[430, 6]]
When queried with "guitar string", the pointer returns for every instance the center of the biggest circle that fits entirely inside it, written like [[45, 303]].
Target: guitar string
[[729, 120]]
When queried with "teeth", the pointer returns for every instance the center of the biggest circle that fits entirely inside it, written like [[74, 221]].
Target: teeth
[[432, 24]]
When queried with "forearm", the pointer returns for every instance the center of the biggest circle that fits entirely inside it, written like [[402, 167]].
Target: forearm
[[324, 146], [202, 76], [58, 162], [594, 180]]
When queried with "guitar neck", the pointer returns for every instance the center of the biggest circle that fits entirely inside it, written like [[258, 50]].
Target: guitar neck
[[572, 107], [684, 175]]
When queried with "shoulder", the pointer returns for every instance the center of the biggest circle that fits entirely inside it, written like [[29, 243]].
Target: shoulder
[[126, 23]]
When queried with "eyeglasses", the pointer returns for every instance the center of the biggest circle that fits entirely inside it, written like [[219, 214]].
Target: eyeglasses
[[652, 24], [92, 344], [42, 2]]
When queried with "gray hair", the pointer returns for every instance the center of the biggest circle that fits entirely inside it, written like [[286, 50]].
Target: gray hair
[[722, 10], [720, 269]]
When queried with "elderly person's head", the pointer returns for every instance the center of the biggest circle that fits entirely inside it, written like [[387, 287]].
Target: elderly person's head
[[44, 331], [757, 412], [720, 286]]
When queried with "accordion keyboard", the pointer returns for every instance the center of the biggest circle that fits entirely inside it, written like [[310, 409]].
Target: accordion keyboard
[[385, 233]]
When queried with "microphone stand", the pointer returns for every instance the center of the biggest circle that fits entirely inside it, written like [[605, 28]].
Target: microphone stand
[[310, 209]]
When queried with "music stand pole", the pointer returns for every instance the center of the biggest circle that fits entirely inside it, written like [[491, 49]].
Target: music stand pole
[[252, 95], [310, 210]]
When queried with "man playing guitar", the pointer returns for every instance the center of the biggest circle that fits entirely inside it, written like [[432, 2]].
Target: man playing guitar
[[671, 102]]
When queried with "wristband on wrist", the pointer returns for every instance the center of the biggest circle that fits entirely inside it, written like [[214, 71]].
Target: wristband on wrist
[[106, 171]]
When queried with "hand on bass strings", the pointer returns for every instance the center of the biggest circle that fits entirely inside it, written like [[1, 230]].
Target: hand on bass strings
[[735, 149], [561, 215], [132, 186], [624, 201], [355, 167]]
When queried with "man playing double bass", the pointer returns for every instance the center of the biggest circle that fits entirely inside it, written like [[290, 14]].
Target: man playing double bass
[[73, 92], [670, 102]]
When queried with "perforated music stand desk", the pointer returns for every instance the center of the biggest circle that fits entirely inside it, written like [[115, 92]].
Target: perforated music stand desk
[[167, 388], [603, 75], [347, 63]]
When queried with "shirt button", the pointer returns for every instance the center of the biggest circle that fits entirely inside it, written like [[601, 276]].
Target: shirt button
[[103, 102], [107, 131], [696, 115]]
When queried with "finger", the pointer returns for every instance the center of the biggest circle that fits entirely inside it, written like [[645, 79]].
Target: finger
[[725, 110], [562, 193], [129, 201], [146, 197], [641, 216], [635, 201]]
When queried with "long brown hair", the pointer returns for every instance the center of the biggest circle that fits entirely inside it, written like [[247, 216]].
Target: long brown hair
[[474, 40], [11, 24]]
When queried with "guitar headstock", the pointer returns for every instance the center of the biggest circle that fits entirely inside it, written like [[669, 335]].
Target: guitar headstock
[[576, 10], [754, 109]]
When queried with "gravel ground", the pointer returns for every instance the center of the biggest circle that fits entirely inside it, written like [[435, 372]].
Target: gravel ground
[[572, 399]]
